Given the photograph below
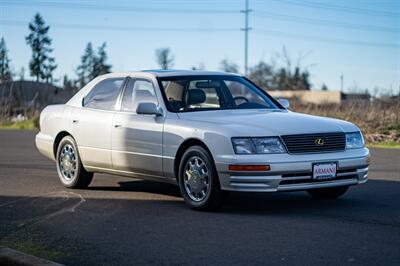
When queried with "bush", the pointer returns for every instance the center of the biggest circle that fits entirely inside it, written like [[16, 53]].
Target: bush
[[379, 121]]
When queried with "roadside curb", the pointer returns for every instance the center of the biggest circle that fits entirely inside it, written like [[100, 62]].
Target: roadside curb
[[13, 257]]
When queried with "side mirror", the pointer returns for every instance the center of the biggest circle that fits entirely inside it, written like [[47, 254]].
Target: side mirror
[[284, 102], [148, 108]]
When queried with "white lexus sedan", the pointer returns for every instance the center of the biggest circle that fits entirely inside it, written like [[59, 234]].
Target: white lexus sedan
[[208, 132]]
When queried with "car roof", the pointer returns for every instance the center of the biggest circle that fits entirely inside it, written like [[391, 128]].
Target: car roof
[[173, 73], [178, 72]]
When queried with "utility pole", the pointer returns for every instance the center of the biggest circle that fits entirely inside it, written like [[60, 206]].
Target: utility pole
[[246, 29]]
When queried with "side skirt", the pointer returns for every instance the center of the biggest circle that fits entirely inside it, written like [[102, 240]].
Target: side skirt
[[131, 174]]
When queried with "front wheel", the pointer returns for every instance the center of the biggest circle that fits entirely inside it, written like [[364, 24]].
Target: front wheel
[[69, 166], [198, 180], [328, 193]]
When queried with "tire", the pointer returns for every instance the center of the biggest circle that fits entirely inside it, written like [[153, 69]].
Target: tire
[[69, 166], [328, 193], [200, 189]]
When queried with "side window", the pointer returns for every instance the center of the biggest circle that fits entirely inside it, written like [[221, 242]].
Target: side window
[[137, 91], [104, 94]]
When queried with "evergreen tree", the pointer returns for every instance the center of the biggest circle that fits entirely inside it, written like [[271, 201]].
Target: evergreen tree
[[69, 85], [281, 79], [100, 65], [296, 81], [305, 78], [48, 69], [5, 72], [42, 64], [286, 80], [92, 64], [85, 69]]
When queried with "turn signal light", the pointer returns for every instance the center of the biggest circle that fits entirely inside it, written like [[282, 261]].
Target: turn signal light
[[233, 167]]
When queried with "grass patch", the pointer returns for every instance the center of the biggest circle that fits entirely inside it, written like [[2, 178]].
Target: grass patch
[[386, 145], [26, 124], [36, 249]]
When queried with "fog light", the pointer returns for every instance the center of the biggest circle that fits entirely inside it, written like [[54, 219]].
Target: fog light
[[234, 167]]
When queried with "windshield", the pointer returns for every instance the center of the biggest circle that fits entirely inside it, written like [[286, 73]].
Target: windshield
[[200, 93]]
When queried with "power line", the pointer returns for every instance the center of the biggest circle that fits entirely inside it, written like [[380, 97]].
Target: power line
[[320, 22], [118, 8], [333, 7], [202, 11], [325, 39], [124, 28], [180, 29]]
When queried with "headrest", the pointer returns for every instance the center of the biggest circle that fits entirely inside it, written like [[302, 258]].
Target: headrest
[[195, 96]]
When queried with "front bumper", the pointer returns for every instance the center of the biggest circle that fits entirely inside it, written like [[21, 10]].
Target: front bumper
[[292, 172]]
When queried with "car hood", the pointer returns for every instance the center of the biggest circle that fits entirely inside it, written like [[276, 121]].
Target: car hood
[[269, 122]]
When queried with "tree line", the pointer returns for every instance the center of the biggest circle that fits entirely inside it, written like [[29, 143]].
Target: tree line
[[42, 64], [94, 63]]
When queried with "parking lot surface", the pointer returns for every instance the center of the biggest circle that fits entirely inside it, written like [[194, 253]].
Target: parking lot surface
[[122, 221]]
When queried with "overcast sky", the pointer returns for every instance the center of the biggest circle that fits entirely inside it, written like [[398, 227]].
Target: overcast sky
[[359, 39]]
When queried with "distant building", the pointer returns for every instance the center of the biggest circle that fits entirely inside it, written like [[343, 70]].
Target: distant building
[[356, 97], [19, 96], [321, 97]]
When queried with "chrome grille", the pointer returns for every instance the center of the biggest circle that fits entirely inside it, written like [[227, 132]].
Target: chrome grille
[[311, 143]]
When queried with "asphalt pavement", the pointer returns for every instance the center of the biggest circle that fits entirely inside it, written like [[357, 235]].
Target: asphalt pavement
[[122, 221]]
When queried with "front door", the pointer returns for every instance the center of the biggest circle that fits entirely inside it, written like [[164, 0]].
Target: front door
[[136, 138]]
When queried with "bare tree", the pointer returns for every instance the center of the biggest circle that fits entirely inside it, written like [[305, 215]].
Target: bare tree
[[290, 77], [263, 75], [164, 58], [229, 66]]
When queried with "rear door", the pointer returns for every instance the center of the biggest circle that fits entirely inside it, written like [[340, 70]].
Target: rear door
[[92, 122], [137, 138]]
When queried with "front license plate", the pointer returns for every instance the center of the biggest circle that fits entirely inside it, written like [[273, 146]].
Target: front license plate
[[324, 171]]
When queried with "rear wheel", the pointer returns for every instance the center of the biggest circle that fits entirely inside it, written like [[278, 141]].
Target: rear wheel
[[328, 193], [198, 180], [69, 166]]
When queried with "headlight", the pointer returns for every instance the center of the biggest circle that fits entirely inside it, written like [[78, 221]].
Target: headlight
[[243, 145], [354, 140], [258, 145]]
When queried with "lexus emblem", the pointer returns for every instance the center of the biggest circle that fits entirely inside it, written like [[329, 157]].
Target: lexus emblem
[[319, 142]]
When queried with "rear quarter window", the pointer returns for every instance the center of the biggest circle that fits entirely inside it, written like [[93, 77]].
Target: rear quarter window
[[104, 94]]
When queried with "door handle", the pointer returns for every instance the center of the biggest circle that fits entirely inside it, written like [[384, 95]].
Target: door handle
[[75, 121], [117, 125]]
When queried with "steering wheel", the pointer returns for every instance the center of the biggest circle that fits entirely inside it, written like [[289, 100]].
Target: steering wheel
[[240, 98]]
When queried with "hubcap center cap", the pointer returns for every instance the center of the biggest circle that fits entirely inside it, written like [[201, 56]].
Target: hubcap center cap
[[67, 163], [195, 180]]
